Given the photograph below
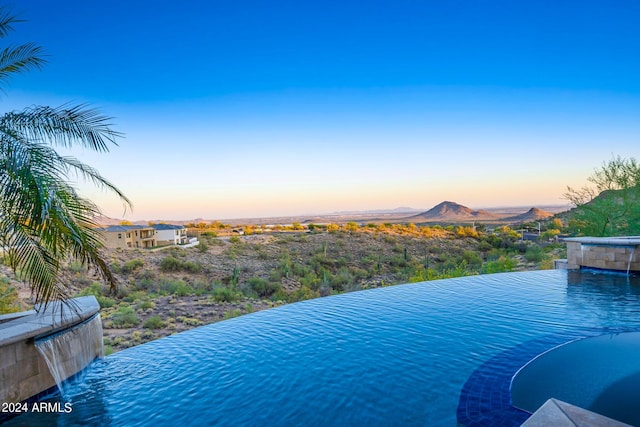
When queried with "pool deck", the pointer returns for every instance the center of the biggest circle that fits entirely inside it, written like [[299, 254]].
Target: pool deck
[[558, 413]]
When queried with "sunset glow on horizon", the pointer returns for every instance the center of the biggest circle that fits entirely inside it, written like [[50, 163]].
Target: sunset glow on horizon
[[248, 110]]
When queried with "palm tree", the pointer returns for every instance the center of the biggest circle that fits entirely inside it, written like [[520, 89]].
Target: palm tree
[[44, 222]]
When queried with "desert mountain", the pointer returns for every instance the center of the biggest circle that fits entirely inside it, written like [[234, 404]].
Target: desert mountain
[[533, 214], [451, 211]]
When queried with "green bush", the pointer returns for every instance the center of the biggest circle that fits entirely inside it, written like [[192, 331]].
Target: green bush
[[108, 349], [500, 265], [224, 294], [146, 285], [131, 266], [472, 258], [170, 264], [105, 302], [304, 293], [232, 313], [202, 247], [174, 264], [125, 317], [263, 287], [191, 267], [95, 288], [175, 287], [8, 297], [145, 305], [153, 322], [534, 254]]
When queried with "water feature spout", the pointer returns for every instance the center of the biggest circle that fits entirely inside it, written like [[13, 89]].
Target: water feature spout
[[633, 251], [67, 353]]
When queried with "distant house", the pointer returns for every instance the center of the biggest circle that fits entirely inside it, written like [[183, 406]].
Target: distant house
[[129, 236], [169, 234]]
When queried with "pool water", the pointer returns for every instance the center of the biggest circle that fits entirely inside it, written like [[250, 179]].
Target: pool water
[[391, 356], [599, 373]]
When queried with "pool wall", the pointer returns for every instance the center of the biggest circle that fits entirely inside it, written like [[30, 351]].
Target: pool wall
[[607, 253], [23, 371]]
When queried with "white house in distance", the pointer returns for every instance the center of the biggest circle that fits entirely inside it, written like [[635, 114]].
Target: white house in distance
[[169, 234]]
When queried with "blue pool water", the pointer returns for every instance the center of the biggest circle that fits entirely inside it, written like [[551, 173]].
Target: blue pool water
[[400, 355]]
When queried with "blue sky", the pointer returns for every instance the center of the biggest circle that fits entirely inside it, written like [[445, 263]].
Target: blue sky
[[245, 109]]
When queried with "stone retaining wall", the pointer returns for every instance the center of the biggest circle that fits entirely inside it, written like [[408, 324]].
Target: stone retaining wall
[[23, 371]]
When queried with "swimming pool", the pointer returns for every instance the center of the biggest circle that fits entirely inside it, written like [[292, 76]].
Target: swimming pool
[[392, 356]]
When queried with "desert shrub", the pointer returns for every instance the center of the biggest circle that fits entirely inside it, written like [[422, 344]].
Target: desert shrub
[[8, 297], [422, 274], [484, 246], [398, 261], [130, 266], [105, 302], [125, 317], [153, 322], [332, 228], [320, 260], [310, 280], [521, 247], [500, 265], [224, 294], [175, 287], [359, 273], [303, 293], [534, 253], [145, 305], [235, 239], [466, 232], [397, 248], [191, 321], [173, 264], [146, 285], [191, 267], [146, 274], [263, 287], [341, 279], [232, 313], [94, 288], [108, 349], [77, 267], [170, 264], [549, 234], [472, 258], [201, 287]]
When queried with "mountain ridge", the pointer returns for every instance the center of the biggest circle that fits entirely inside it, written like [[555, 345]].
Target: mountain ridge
[[443, 212]]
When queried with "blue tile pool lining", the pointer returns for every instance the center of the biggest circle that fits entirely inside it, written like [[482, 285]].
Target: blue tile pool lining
[[485, 398]]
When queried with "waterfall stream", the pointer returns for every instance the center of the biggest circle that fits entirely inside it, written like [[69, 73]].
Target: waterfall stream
[[633, 251], [70, 351]]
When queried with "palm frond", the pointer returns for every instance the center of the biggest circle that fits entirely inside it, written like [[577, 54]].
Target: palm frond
[[43, 220], [6, 21], [65, 126], [20, 59]]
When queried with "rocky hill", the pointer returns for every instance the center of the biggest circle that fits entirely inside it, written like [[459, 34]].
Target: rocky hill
[[533, 214], [452, 212]]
